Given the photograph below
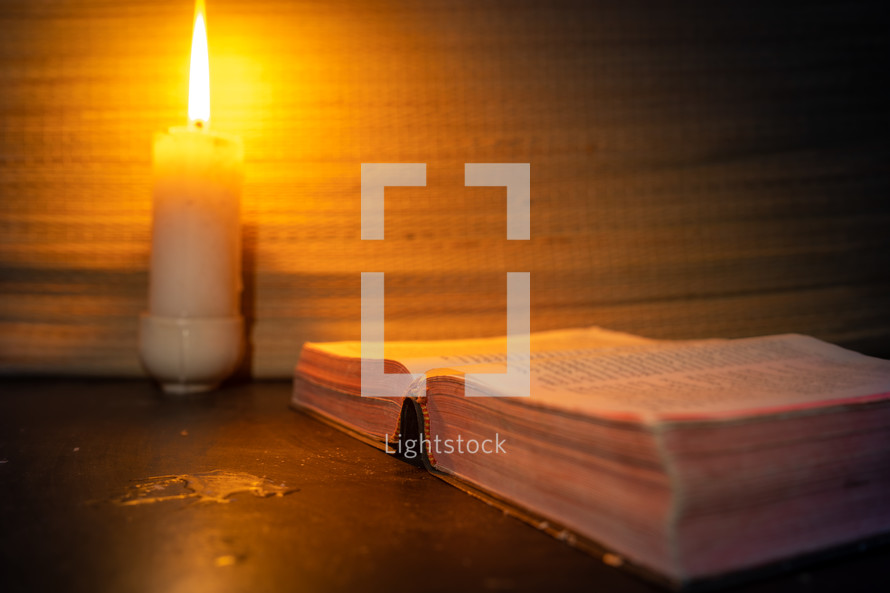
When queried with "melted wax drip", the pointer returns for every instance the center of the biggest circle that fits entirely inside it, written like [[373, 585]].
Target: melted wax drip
[[214, 486]]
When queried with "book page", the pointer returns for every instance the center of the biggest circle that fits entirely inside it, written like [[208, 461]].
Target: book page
[[710, 377], [596, 371], [422, 356]]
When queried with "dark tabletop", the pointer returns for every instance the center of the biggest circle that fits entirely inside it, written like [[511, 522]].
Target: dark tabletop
[[71, 452]]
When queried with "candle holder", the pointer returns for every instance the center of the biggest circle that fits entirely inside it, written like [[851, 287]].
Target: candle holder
[[190, 355]]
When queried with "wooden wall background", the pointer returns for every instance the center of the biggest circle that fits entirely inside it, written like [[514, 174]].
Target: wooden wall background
[[698, 168]]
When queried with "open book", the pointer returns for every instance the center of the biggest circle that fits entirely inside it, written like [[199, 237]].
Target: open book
[[690, 460]]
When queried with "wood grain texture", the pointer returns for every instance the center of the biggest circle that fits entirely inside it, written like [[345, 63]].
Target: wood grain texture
[[361, 520], [710, 169]]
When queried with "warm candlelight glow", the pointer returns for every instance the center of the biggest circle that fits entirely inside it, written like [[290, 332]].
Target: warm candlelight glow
[[199, 72]]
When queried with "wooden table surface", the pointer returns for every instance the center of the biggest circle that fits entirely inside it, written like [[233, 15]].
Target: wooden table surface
[[358, 520]]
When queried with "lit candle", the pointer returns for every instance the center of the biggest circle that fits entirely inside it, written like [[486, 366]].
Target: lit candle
[[192, 336]]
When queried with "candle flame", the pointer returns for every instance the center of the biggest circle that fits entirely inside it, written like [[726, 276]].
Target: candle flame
[[199, 72]]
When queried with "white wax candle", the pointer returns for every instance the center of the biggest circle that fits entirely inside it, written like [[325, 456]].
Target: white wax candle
[[196, 231], [191, 337]]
